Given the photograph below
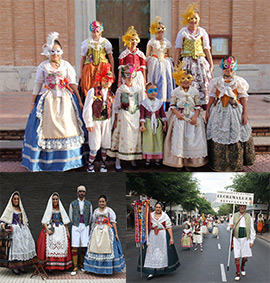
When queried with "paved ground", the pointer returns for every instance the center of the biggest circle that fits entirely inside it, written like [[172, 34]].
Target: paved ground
[[6, 276], [14, 108], [207, 266], [262, 164]]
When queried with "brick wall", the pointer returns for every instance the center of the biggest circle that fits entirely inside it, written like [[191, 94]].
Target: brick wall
[[26, 26], [246, 20], [36, 188]]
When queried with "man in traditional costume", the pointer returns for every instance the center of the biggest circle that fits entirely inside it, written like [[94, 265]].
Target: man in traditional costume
[[80, 213]]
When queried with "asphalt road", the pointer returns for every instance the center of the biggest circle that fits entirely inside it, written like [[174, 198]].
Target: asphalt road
[[206, 266]]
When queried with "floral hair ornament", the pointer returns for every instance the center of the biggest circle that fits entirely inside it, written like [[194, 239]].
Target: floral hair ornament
[[190, 13], [157, 26], [94, 27], [105, 74], [181, 75], [130, 36], [129, 71], [229, 63], [48, 46]]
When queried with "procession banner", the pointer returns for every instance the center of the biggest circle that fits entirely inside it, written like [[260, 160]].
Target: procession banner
[[235, 198]]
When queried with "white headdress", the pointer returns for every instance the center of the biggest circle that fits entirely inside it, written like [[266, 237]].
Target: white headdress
[[7, 215], [49, 209], [48, 46]]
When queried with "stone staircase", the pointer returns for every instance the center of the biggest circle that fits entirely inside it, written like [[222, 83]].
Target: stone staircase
[[11, 142]]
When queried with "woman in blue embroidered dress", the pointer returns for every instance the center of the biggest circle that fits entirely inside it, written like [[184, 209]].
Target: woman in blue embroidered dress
[[54, 133], [104, 253]]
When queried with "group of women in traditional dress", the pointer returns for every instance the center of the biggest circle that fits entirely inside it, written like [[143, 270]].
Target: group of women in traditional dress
[[55, 133], [104, 253]]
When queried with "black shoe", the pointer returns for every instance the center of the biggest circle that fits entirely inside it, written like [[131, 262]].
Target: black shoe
[[16, 271], [22, 270], [118, 169], [157, 165], [147, 165]]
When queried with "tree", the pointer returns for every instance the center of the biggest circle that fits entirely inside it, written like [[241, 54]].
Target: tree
[[169, 188], [257, 183], [204, 206], [225, 209]]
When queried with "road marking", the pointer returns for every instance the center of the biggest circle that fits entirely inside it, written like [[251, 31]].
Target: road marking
[[219, 247], [223, 274]]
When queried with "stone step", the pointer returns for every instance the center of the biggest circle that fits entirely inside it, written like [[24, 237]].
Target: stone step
[[10, 150]]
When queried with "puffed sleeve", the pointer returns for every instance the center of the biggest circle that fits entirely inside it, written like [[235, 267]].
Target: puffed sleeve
[[111, 215], [242, 87], [168, 222], [142, 113], [179, 39], [94, 216], [108, 47], [197, 99], [117, 101], [87, 109], [71, 74], [173, 99], [213, 87], [206, 42], [40, 74], [84, 48]]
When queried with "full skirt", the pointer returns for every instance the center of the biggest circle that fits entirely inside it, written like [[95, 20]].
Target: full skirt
[[55, 134], [55, 248]]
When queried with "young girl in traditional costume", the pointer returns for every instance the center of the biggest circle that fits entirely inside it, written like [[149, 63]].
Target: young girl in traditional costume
[[215, 231], [192, 46], [185, 142], [159, 61], [197, 236], [93, 56], [22, 247], [186, 241], [53, 243], [54, 134], [126, 137], [104, 253], [160, 256], [153, 125], [97, 114], [132, 55], [228, 131]]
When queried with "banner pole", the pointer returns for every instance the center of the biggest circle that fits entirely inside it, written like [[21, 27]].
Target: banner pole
[[229, 253]]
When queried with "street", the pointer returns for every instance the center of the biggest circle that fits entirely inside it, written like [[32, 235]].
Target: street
[[206, 266]]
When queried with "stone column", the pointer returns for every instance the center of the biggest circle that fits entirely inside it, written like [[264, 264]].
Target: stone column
[[162, 8], [85, 11]]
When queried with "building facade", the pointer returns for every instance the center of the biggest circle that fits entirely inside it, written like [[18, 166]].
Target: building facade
[[26, 24]]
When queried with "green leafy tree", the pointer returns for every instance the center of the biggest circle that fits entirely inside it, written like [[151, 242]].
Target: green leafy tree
[[257, 183], [225, 209]]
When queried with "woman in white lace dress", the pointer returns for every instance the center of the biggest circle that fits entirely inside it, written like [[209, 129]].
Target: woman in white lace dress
[[159, 61], [228, 131], [53, 243], [15, 222], [54, 133], [160, 256]]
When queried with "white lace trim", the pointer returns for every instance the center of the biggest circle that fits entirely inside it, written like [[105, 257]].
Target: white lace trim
[[225, 126], [182, 132], [67, 143], [101, 257], [57, 245], [23, 245], [126, 52], [152, 107], [97, 45], [160, 46]]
